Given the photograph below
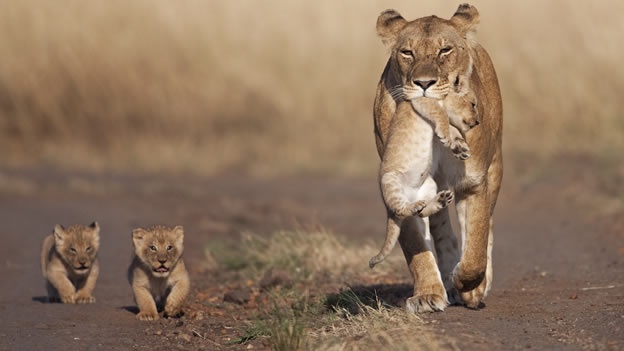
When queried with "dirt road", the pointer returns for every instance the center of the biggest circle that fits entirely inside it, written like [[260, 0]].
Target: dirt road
[[558, 270]]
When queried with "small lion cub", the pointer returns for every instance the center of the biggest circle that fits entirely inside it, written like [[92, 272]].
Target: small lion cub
[[69, 263], [157, 273]]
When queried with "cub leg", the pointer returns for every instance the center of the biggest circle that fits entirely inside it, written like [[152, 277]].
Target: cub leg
[[64, 287], [85, 294], [179, 292], [146, 303]]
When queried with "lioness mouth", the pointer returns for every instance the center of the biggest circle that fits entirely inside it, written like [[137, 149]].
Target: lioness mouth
[[161, 269]]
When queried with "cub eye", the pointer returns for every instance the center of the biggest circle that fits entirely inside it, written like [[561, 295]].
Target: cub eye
[[445, 51], [89, 249], [152, 247], [474, 105], [169, 248], [407, 53], [73, 250]]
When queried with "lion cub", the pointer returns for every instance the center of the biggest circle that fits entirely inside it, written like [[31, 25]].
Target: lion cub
[[452, 117], [69, 263], [406, 177], [157, 273]]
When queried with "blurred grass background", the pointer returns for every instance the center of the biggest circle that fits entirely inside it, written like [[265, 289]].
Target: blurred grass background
[[280, 87]]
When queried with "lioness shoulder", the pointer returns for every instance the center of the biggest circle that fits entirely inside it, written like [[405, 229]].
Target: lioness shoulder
[[69, 263], [157, 273]]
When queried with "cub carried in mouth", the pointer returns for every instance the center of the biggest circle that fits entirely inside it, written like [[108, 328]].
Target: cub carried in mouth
[[406, 182], [69, 263], [157, 273]]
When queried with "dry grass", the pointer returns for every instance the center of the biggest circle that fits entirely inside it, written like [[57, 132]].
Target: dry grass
[[277, 86], [347, 320]]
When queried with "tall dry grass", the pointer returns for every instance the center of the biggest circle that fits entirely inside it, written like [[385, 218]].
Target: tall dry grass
[[277, 86]]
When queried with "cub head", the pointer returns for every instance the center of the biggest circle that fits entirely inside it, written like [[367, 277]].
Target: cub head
[[429, 54], [159, 248], [78, 245], [462, 107]]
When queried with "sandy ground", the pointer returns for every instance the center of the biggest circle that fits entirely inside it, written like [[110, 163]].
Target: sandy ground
[[558, 268]]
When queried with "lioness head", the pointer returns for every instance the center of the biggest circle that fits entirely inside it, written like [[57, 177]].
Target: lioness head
[[429, 54], [159, 248], [78, 245]]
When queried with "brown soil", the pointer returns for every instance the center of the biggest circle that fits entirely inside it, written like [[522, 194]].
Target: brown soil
[[558, 269]]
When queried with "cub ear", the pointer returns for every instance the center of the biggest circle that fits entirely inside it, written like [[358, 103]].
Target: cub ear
[[389, 24], [95, 226], [59, 233], [137, 235], [178, 231], [466, 19]]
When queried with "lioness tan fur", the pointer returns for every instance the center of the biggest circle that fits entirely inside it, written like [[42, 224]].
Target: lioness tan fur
[[157, 273], [69, 263], [406, 181], [428, 56]]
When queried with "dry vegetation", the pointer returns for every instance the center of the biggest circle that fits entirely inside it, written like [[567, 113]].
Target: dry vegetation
[[277, 86], [316, 309]]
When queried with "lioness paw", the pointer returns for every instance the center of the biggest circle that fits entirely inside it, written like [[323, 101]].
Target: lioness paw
[[147, 316], [426, 303]]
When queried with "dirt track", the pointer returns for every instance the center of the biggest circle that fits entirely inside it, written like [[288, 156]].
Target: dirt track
[[558, 273]]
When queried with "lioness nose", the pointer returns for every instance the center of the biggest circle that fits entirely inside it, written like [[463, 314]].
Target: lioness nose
[[424, 84]]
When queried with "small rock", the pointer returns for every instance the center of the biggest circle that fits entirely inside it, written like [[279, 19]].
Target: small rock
[[239, 296], [185, 337]]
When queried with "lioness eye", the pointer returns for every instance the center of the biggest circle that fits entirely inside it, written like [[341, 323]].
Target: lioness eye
[[445, 51], [153, 248], [169, 248], [407, 53]]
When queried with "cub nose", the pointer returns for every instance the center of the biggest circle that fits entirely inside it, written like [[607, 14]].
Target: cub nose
[[162, 260], [424, 84]]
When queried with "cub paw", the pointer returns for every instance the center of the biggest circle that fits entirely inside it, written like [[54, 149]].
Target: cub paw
[[172, 312], [460, 149], [445, 197], [147, 316], [426, 303], [68, 299], [418, 206], [84, 298]]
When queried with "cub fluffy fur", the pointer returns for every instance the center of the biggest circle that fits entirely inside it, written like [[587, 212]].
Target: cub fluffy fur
[[405, 177], [69, 263], [157, 273]]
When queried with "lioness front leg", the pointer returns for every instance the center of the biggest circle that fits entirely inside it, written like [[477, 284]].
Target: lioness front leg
[[179, 292], [429, 292], [469, 274]]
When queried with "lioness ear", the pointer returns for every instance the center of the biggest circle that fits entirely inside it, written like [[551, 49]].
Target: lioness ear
[[465, 20], [178, 230], [389, 24]]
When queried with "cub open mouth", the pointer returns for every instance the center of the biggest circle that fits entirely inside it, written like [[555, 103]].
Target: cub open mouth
[[161, 269]]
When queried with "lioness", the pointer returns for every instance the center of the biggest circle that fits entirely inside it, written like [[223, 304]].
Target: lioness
[[157, 273], [69, 263], [428, 56]]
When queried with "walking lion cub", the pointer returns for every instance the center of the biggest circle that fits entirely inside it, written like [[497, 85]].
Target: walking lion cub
[[157, 273], [69, 263]]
